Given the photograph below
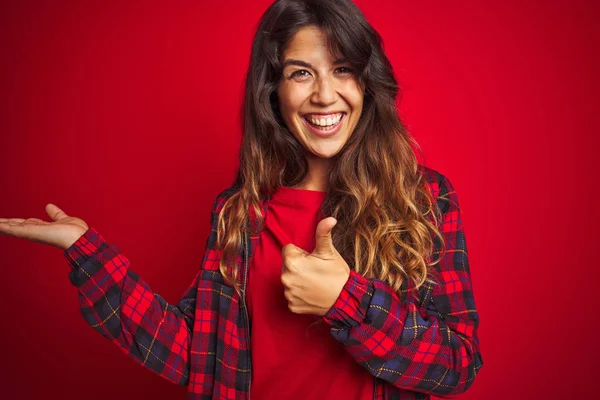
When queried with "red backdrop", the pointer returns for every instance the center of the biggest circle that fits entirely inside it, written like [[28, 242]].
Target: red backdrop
[[125, 114]]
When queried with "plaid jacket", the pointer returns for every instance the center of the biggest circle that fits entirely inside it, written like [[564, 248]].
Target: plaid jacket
[[412, 348]]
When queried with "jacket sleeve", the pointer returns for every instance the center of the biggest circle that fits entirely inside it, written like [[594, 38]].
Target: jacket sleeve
[[116, 302], [437, 354]]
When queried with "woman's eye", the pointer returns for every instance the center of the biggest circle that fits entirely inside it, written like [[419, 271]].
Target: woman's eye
[[345, 70], [301, 73]]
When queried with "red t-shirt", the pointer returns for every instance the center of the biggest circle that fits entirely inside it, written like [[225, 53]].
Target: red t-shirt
[[290, 359]]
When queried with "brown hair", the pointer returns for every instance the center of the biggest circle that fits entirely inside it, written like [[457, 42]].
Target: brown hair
[[385, 211]]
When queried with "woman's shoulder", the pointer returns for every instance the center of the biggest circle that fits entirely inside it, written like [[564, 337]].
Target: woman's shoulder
[[440, 186], [434, 178], [223, 196]]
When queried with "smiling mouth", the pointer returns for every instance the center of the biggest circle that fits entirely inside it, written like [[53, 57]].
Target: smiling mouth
[[328, 129], [324, 124]]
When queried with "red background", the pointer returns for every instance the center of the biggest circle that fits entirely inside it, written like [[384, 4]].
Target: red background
[[125, 114]]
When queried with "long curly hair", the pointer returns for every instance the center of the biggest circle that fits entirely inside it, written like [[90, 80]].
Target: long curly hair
[[387, 216]]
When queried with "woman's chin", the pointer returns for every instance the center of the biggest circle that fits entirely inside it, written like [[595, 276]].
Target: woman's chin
[[323, 153]]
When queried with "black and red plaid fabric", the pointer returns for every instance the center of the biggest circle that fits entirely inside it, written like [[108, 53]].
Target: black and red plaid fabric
[[413, 347]]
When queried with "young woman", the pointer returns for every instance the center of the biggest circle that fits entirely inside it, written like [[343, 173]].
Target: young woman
[[337, 265]]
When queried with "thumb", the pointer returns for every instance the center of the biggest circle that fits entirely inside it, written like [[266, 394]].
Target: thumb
[[323, 240], [55, 213]]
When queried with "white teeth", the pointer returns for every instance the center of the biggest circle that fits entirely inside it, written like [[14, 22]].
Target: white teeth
[[326, 121]]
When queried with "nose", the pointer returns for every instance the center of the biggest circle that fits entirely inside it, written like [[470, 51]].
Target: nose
[[324, 92]]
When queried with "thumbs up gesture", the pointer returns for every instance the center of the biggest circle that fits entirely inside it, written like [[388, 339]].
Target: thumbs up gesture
[[314, 281]]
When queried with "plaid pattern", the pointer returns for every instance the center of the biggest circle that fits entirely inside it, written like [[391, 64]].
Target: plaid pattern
[[411, 348], [429, 345]]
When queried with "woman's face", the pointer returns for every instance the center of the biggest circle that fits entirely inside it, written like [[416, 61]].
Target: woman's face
[[319, 96]]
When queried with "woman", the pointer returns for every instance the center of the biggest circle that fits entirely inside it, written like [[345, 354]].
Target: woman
[[285, 305]]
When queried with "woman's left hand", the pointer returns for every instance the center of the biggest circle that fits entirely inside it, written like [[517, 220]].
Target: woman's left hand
[[314, 281]]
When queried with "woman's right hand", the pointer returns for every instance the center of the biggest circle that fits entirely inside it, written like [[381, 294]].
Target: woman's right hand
[[62, 232]]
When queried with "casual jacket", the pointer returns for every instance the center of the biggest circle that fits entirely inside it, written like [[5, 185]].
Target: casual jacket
[[412, 348]]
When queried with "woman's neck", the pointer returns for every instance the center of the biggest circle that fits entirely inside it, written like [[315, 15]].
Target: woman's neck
[[318, 174]]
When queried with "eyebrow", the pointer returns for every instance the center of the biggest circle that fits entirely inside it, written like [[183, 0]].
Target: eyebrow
[[301, 63]]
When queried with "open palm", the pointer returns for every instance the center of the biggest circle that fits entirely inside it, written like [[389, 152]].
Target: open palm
[[62, 232]]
